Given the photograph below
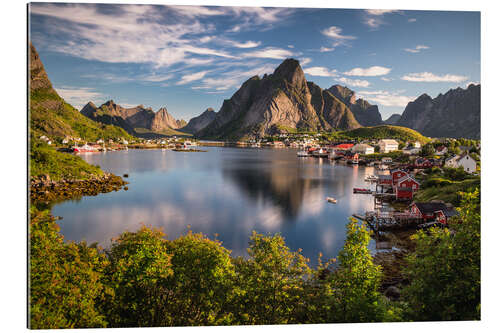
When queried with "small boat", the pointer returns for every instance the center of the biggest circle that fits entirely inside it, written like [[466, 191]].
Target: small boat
[[302, 153], [361, 190], [331, 200]]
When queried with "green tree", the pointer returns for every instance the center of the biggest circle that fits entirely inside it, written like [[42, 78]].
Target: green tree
[[444, 270], [427, 150], [355, 282], [138, 272], [271, 282], [65, 279], [201, 287]]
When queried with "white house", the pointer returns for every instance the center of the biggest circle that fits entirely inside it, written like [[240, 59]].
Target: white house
[[362, 148], [464, 160], [388, 145], [417, 144]]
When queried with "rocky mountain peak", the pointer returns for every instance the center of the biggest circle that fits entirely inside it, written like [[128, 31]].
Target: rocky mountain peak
[[38, 76], [343, 93], [291, 71]]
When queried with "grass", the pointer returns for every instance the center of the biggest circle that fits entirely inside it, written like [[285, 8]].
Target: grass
[[167, 132], [447, 190], [51, 115], [385, 132], [45, 160]]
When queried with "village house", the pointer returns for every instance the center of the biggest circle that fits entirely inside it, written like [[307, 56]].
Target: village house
[[363, 149], [464, 160], [429, 211], [388, 145], [441, 150], [351, 157], [422, 163], [343, 146], [386, 160]]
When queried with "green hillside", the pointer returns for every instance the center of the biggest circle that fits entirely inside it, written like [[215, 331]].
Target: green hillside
[[385, 132], [52, 116]]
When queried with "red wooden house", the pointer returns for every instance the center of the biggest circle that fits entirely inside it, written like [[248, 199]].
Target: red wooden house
[[422, 163], [351, 157], [343, 146], [405, 187], [397, 174], [430, 211]]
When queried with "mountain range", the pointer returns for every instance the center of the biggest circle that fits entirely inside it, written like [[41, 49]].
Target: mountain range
[[455, 114], [283, 101], [136, 120]]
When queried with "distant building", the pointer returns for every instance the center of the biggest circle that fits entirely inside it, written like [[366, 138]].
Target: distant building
[[363, 149], [441, 150], [464, 160], [417, 144], [343, 146], [388, 145]]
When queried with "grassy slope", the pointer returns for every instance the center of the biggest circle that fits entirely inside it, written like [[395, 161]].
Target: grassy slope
[[52, 116], [45, 160], [386, 132], [448, 192]]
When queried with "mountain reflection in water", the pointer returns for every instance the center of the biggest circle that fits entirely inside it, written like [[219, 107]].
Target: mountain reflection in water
[[225, 191]]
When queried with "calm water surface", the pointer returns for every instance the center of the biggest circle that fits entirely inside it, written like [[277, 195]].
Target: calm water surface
[[225, 191]]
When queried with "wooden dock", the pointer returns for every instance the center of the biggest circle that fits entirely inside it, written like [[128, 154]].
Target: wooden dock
[[389, 221]]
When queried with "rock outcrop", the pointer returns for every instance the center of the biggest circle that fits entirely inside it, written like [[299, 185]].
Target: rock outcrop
[[454, 114]]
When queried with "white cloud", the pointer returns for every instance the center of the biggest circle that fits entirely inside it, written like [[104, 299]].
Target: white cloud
[[374, 19], [320, 71], [336, 34], [231, 79], [245, 45], [386, 79], [430, 77], [417, 49], [304, 61], [411, 20], [290, 46], [326, 49], [191, 77], [386, 98], [379, 12], [354, 83], [370, 71], [270, 53], [80, 96]]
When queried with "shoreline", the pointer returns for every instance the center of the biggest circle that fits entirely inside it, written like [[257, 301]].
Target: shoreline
[[43, 190]]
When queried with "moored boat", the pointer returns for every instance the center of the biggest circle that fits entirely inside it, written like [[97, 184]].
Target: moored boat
[[302, 153], [331, 200], [362, 190]]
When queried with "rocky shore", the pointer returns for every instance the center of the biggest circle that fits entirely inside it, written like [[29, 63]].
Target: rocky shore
[[45, 190]]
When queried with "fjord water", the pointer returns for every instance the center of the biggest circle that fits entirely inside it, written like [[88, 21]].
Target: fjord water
[[226, 192]]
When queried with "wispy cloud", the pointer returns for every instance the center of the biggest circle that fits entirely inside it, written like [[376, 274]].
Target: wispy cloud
[[417, 49], [270, 53], [370, 71], [354, 83], [412, 20], [156, 77], [335, 33], [326, 49], [304, 61], [191, 77], [431, 77], [320, 71], [374, 17], [386, 98], [231, 79], [80, 96]]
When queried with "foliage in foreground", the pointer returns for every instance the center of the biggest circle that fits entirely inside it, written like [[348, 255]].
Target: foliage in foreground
[[444, 271], [143, 279]]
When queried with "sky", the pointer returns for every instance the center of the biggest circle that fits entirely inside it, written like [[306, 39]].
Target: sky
[[189, 58]]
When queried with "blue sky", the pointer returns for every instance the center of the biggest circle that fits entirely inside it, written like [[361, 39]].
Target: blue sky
[[189, 58]]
